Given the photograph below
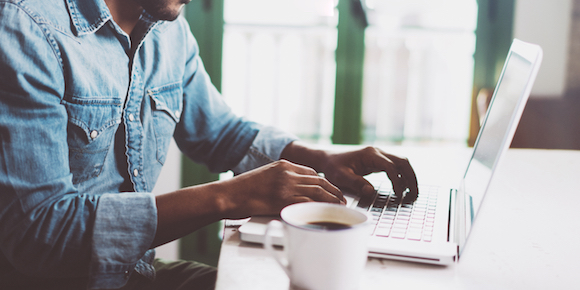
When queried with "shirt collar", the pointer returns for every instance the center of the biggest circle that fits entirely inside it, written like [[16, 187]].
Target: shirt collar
[[88, 15]]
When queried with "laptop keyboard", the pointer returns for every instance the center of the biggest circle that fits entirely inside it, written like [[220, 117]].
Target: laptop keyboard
[[395, 218]]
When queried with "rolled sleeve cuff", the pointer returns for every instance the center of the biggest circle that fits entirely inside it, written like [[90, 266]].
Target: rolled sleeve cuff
[[124, 229], [266, 147]]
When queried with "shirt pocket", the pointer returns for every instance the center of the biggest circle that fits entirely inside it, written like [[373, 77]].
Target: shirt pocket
[[92, 124], [167, 106]]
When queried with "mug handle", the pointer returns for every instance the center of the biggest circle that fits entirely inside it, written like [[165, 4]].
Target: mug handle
[[279, 257]]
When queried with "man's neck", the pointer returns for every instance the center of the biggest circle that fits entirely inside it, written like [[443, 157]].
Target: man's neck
[[125, 13]]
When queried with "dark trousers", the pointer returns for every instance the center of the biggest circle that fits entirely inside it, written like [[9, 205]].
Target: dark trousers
[[170, 275]]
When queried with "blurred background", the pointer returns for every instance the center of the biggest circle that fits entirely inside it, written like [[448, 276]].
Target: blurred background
[[381, 72]]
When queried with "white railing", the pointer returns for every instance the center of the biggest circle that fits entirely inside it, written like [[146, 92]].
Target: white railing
[[417, 77], [282, 76], [417, 85]]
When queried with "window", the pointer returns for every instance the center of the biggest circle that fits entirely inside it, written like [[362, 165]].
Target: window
[[418, 70], [279, 67]]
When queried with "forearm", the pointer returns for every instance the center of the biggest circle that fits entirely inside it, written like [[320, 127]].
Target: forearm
[[262, 191], [186, 210], [299, 153]]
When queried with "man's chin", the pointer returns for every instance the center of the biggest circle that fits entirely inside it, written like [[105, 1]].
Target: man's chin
[[168, 14], [170, 17]]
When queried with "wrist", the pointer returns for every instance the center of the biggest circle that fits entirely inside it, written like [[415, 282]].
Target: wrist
[[225, 199], [299, 153], [236, 198]]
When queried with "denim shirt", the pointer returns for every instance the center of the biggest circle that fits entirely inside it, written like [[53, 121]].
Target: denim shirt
[[85, 124]]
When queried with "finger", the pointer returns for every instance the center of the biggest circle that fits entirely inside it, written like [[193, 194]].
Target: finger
[[404, 170], [310, 177], [377, 160], [299, 199], [331, 188], [392, 171], [317, 193], [408, 179], [303, 176], [328, 187], [358, 185]]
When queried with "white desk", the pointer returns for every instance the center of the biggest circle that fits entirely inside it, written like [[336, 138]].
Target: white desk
[[526, 236]]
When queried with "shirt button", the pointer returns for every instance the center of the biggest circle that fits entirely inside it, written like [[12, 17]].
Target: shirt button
[[135, 172], [131, 117], [94, 134]]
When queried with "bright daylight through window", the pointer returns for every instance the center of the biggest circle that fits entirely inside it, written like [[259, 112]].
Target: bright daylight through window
[[279, 67]]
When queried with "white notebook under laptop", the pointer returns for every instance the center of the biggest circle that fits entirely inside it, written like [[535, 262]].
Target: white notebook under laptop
[[434, 228]]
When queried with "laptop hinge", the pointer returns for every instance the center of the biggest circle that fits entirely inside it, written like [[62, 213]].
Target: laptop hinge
[[452, 223]]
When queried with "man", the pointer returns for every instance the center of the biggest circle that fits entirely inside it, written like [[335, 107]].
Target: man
[[91, 91]]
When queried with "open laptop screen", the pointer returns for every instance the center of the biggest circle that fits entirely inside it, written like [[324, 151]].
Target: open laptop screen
[[499, 124]]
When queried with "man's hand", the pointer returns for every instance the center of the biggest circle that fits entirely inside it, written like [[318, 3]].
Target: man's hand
[[268, 189], [346, 169], [262, 191]]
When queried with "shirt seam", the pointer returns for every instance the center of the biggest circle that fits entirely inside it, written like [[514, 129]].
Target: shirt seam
[[38, 20]]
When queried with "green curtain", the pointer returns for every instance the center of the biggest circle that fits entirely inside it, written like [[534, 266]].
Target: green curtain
[[205, 18], [347, 128]]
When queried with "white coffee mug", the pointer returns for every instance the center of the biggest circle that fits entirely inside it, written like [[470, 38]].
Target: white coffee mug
[[325, 245]]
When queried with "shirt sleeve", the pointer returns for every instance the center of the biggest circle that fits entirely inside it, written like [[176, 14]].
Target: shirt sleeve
[[47, 227], [266, 147], [210, 133]]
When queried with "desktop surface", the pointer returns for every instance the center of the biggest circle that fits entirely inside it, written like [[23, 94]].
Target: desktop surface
[[525, 237]]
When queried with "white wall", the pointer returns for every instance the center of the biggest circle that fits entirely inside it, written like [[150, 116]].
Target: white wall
[[546, 23]]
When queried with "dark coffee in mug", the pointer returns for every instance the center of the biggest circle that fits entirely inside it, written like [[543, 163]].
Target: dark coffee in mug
[[327, 226]]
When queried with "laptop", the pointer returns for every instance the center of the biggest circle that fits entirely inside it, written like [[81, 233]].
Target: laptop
[[435, 227]]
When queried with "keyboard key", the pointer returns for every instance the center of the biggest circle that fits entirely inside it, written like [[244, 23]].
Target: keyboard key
[[387, 220], [401, 227], [397, 235], [419, 213], [416, 225], [405, 210], [414, 236], [383, 232]]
